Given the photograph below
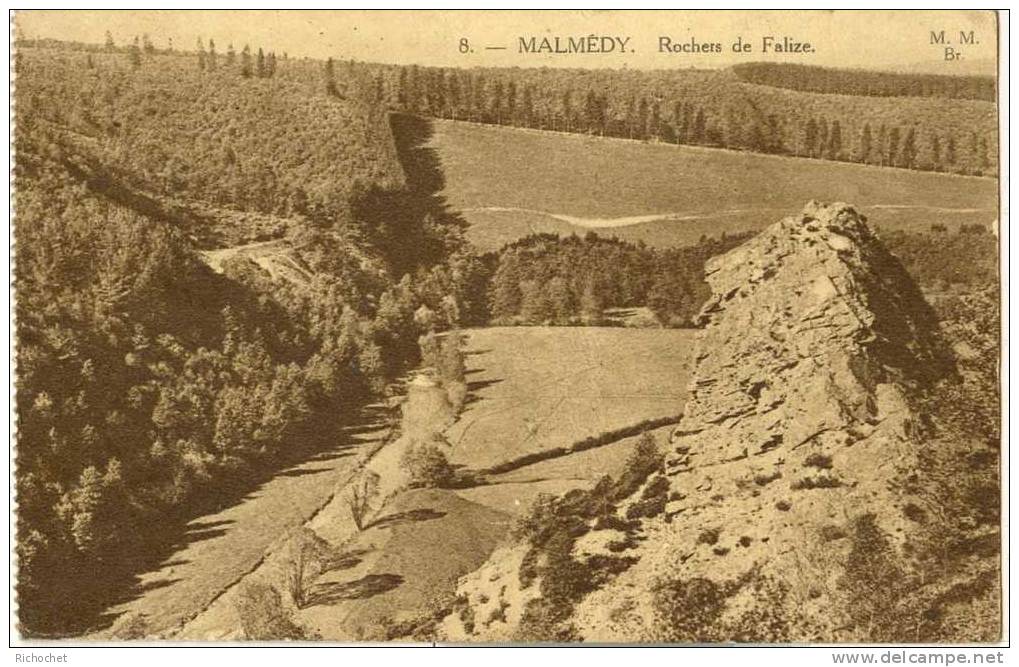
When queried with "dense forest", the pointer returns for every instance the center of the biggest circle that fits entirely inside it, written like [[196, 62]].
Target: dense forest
[[719, 109], [149, 386], [862, 82], [547, 279]]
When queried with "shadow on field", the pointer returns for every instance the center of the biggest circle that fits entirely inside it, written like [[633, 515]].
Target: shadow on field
[[162, 549], [410, 225], [344, 560], [366, 587], [410, 516]]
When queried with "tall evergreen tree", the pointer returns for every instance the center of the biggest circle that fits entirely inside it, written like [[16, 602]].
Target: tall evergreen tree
[[330, 77], [134, 54], [200, 49], [809, 137], [834, 151], [863, 149], [246, 61]]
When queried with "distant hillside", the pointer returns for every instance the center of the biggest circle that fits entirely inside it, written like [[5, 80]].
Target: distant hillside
[[213, 139], [510, 183], [868, 83], [830, 114]]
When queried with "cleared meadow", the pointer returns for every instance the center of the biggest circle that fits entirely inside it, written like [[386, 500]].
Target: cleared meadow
[[510, 182], [535, 388]]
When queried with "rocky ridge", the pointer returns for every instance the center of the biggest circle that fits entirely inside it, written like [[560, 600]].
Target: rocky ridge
[[802, 418], [803, 434]]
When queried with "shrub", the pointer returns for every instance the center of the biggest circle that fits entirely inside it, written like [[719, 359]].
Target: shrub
[[427, 466], [544, 621], [456, 392], [783, 506], [537, 519], [687, 610], [132, 626], [652, 500], [831, 532], [305, 556], [262, 615], [763, 480], [819, 482], [818, 460], [645, 459], [362, 493], [613, 522], [914, 512], [709, 536], [873, 584]]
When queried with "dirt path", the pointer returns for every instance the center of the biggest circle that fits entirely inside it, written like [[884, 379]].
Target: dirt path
[[218, 549]]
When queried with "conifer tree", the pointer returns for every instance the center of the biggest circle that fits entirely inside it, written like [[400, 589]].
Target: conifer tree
[[864, 147], [135, 54], [246, 61], [834, 151], [201, 54]]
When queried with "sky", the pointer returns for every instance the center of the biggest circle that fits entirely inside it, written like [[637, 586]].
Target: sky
[[871, 39]]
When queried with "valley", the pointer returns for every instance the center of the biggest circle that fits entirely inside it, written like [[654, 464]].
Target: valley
[[302, 359]]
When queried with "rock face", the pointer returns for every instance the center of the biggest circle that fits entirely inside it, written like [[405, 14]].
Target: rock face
[[801, 417], [812, 335]]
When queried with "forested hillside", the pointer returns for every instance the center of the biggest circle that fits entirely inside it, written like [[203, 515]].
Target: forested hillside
[[826, 114], [572, 280], [150, 387], [863, 82]]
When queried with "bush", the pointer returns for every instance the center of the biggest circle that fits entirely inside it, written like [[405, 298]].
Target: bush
[[537, 519], [305, 556], [645, 459], [456, 392], [260, 609], [360, 496], [818, 460], [764, 480], [831, 532], [687, 610], [427, 466], [544, 621], [819, 482], [709, 536]]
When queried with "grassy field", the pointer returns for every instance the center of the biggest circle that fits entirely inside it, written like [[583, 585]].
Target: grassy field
[[534, 388], [531, 389], [510, 182]]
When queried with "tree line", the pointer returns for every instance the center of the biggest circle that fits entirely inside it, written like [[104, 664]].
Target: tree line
[[697, 108], [573, 280], [863, 82]]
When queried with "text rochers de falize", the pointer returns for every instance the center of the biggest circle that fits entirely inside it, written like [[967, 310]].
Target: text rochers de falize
[[607, 44]]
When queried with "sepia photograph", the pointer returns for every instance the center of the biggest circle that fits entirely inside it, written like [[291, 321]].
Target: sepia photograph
[[508, 328]]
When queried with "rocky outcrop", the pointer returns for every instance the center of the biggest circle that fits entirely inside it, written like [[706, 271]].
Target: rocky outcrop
[[802, 416], [813, 337]]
